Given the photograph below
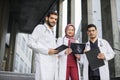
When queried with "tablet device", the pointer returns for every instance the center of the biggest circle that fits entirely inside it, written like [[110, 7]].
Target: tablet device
[[61, 48], [77, 48], [94, 62]]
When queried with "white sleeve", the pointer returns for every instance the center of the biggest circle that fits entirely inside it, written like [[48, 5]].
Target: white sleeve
[[109, 51], [33, 42]]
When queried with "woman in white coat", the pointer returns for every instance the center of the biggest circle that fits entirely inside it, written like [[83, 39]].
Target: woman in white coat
[[106, 53], [68, 67], [43, 42]]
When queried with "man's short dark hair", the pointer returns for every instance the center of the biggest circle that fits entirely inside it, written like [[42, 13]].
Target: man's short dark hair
[[51, 12], [91, 25]]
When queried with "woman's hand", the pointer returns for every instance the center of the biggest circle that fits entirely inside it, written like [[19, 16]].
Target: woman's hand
[[77, 56], [68, 51], [85, 50]]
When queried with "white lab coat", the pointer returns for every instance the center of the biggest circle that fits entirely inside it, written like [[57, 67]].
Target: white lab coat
[[109, 54], [41, 40], [63, 60]]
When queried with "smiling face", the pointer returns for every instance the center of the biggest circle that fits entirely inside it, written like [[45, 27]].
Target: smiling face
[[51, 20], [70, 31]]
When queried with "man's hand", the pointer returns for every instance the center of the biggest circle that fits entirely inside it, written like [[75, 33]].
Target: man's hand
[[68, 51], [52, 51], [101, 56]]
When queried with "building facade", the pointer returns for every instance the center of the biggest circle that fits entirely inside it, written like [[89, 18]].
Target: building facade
[[23, 55], [103, 13]]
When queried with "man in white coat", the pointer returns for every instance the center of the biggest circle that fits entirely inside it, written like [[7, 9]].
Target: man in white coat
[[43, 43], [106, 53]]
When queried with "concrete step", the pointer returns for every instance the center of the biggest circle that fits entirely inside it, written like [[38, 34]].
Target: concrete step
[[4, 75]]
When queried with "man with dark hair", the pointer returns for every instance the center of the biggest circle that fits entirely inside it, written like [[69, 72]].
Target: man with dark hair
[[43, 43], [91, 25], [51, 12], [106, 54]]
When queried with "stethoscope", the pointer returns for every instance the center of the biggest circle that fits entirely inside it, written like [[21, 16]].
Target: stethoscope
[[46, 30], [63, 40], [101, 44]]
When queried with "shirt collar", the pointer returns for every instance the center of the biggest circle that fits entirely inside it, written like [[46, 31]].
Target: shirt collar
[[47, 27], [94, 42]]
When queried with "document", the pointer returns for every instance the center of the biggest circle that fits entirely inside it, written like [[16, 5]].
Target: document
[[77, 48], [61, 48], [94, 62]]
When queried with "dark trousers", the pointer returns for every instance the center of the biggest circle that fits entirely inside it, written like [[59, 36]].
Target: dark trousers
[[94, 77]]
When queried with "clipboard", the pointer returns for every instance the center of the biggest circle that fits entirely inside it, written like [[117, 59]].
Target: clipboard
[[94, 62], [77, 48], [61, 48]]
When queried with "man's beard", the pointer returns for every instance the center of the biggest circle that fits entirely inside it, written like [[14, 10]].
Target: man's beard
[[49, 24]]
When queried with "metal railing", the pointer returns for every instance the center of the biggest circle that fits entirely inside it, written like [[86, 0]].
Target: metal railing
[[116, 49]]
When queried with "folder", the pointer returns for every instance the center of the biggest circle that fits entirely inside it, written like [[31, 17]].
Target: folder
[[94, 62], [77, 48], [61, 48]]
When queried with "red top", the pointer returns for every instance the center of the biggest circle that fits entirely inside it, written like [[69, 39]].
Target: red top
[[71, 59]]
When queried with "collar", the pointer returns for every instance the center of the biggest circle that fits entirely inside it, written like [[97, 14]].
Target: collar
[[47, 27], [100, 42], [94, 42]]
